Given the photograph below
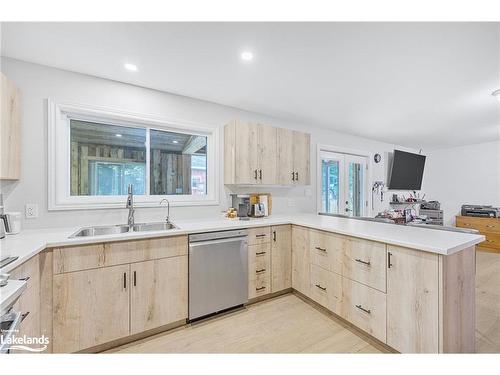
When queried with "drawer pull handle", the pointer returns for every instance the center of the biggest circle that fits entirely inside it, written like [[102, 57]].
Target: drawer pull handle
[[320, 249], [261, 270], [490, 241], [362, 261], [24, 278], [389, 264], [124, 280], [490, 226], [320, 287], [274, 235], [260, 235], [362, 309], [24, 316], [260, 253], [261, 288]]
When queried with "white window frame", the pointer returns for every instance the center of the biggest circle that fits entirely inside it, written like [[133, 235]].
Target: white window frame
[[59, 151], [368, 209]]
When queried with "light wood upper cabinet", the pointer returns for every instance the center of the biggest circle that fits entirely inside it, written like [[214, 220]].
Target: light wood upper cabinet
[[90, 307], [301, 158], [412, 300], [281, 257], [10, 130], [285, 173], [262, 154], [159, 293]]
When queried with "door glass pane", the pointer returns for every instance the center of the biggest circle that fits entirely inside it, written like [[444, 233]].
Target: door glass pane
[[106, 158], [330, 186], [178, 163], [355, 198]]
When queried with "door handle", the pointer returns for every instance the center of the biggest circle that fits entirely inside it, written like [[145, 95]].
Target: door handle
[[255, 174], [135, 278], [293, 176], [274, 235], [260, 174], [296, 176], [124, 280], [389, 264]]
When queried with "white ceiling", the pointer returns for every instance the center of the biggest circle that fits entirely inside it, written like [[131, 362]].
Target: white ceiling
[[414, 84]]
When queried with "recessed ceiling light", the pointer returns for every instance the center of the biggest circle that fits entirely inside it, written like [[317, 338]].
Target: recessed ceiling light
[[131, 67], [496, 94], [118, 135], [175, 141], [247, 56]]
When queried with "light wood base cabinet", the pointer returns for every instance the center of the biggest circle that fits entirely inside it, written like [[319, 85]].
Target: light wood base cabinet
[[281, 257], [96, 300], [91, 307], [158, 293], [301, 280]]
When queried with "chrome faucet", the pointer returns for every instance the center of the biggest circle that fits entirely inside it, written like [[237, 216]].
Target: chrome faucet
[[130, 205], [168, 208]]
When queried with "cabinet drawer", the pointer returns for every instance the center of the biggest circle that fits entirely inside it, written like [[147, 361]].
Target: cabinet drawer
[[259, 235], [492, 240], [259, 285], [79, 258], [326, 250], [365, 262], [364, 307], [490, 225], [326, 288]]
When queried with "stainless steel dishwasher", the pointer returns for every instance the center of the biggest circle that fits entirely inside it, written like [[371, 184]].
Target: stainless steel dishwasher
[[218, 272]]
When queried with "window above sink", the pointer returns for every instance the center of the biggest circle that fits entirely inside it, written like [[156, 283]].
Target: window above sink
[[95, 153]]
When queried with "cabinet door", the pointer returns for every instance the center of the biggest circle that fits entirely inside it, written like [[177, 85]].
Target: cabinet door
[[267, 154], [159, 293], [284, 165], [281, 257], [246, 153], [90, 308], [10, 130], [300, 260], [301, 158], [412, 300]]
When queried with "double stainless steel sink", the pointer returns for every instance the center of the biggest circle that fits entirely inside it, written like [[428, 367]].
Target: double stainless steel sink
[[123, 228]]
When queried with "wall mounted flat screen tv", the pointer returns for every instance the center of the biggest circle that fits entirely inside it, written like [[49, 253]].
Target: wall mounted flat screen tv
[[407, 171]]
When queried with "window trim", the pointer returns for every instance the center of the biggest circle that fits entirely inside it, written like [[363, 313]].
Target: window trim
[[59, 149]]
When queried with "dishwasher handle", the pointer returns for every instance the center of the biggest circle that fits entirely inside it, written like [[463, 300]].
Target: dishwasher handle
[[218, 241]]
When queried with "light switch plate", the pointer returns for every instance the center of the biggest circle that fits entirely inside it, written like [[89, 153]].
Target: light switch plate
[[31, 210]]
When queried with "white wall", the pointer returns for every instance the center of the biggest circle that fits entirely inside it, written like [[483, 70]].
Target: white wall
[[463, 175], [37, 83]]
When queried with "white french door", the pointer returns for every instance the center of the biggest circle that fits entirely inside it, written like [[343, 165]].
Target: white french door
[[343, 184]]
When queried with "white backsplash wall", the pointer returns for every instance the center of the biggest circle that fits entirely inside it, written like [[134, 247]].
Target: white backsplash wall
[[37, 83], [463, 175]]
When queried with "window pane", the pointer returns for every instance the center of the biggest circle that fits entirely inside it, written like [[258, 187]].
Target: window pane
[[330, 186], [355, 199], [106, 158], [178, 163]]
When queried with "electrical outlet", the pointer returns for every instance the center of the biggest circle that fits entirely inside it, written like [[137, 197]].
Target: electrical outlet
[[31, 210]]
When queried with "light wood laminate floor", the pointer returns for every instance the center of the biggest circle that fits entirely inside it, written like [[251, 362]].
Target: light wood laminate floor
[[287, 324], [284, 324]]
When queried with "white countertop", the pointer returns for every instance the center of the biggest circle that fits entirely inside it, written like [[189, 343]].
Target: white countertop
[[30, 242]]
